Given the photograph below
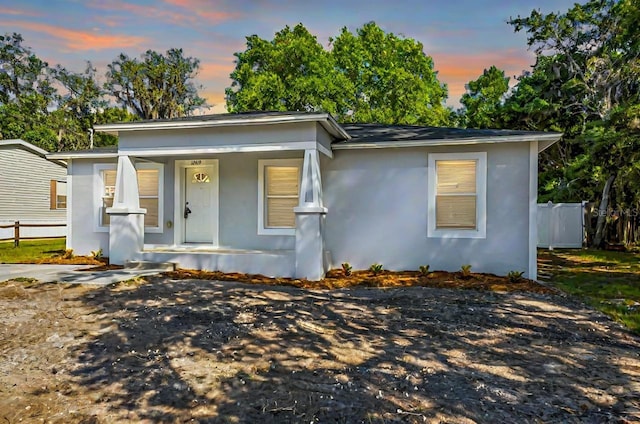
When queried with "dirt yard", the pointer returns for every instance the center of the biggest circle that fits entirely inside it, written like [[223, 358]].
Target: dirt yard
[[204, 351]]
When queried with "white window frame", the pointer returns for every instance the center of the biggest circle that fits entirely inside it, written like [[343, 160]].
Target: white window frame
[[54, 205], [480, 232], [262, 164], [98, 188]]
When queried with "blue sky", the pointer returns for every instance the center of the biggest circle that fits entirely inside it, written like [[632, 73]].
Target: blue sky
[[463, 36]]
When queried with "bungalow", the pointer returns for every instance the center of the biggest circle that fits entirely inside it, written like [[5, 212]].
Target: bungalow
[[294, 194]]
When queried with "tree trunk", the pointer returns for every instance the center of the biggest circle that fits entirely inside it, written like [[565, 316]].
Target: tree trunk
[[602, 212]]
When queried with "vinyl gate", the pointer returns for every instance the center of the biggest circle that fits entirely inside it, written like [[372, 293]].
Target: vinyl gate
[[560, 225]]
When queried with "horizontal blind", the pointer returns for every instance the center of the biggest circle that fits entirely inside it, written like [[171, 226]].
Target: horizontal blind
[[282, 188], [456, 176], [148, 182], [456, 212], [151, 217]]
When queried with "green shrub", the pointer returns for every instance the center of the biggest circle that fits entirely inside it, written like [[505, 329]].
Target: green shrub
[[515, 276], [424, 270], [375, 268], [97, 254], [68, 254], [465, 270], [346, 268]]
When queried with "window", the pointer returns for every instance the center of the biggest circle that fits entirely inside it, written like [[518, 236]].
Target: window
[[278, 191], [57, 194], [149, 189], [457, 195]]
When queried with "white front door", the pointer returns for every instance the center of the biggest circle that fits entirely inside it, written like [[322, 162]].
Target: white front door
[[199, 207]]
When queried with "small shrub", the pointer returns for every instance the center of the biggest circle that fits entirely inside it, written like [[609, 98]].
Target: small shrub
[[346, 268], [465, 270], [424, 270], [515, 276], [375, 268], [68, 254], [97, 254]]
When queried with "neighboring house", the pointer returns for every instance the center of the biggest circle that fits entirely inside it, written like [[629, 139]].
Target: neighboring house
[[32, 189], [294, 194]]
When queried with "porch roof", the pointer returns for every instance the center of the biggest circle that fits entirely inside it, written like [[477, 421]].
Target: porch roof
[[227, 120]]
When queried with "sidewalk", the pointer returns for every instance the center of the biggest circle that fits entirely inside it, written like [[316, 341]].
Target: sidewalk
[[70, 274]]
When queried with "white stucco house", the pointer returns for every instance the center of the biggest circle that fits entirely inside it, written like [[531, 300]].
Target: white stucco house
[[32, 189], [294, 194]]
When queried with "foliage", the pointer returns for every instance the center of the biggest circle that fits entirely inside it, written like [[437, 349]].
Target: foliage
[[515, 276], [424, 270], [393, 79], [97, 254], [290, 72], [606, 280], [346, 268], [483, 99], [30, 250], [369, 76], [157, 86], [465, 270], [376, 268]]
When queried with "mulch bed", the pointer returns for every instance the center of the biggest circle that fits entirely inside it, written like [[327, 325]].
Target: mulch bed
[[336, 279]]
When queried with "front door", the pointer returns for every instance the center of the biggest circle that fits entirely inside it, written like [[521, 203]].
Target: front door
[[199, 204]]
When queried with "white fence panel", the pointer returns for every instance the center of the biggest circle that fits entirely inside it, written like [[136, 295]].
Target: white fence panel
[[33, 231], [560, 225]]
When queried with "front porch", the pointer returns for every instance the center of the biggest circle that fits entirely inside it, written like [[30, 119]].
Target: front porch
[[271, 263]]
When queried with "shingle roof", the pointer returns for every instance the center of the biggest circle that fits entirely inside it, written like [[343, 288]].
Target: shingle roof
[[377, 133]]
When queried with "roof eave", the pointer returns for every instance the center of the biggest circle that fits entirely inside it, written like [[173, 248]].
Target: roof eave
[[81, 155], [545, 141], [328, 122]]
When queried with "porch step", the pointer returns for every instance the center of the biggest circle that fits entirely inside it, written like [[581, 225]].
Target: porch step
[[156, 266]]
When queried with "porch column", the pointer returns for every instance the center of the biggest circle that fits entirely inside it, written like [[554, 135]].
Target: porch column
[[126, 228], [310, 214]]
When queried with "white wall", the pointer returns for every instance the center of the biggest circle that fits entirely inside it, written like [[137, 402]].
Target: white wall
[[377, 201]]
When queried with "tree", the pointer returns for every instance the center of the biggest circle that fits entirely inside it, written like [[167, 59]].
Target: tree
[[586, 78], [22, 73], [393, 78], [484, 99], [290, 72], [157, 86], [369, 76]]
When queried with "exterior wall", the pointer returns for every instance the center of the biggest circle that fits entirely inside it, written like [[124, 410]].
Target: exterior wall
[[24, 186], [83, 236], [377, 210], [323, 137], [222, 136], [238, 211]]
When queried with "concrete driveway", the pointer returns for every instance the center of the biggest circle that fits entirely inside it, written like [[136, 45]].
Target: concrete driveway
[[70, 273]]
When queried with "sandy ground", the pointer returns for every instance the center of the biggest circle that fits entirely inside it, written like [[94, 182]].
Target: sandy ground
[[205, 351]]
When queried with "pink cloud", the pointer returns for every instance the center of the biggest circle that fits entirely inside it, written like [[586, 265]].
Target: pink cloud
[[81, 40], [17, 12], [457, 69], [203, 10], [215, 70]]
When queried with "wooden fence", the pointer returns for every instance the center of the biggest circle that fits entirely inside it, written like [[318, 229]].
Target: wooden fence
[[16, 232]]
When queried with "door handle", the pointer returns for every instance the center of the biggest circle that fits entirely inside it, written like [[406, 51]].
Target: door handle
[[187, 211]]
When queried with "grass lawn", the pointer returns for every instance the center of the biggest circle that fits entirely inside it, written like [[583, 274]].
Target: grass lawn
[[30, 250], [609, 281]]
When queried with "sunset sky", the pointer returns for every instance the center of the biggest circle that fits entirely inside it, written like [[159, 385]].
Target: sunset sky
[[463, 36]]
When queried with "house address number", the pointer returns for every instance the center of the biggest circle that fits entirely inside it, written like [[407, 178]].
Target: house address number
[[196, 162]]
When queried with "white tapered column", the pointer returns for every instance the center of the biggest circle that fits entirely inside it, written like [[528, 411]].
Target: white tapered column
[[126, 228], [310, 215]]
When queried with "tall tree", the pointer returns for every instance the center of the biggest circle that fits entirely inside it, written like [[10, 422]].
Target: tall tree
[[393, 78], [369, 76], [157, 86], [586, 76], [484, 98], [290, 72]]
